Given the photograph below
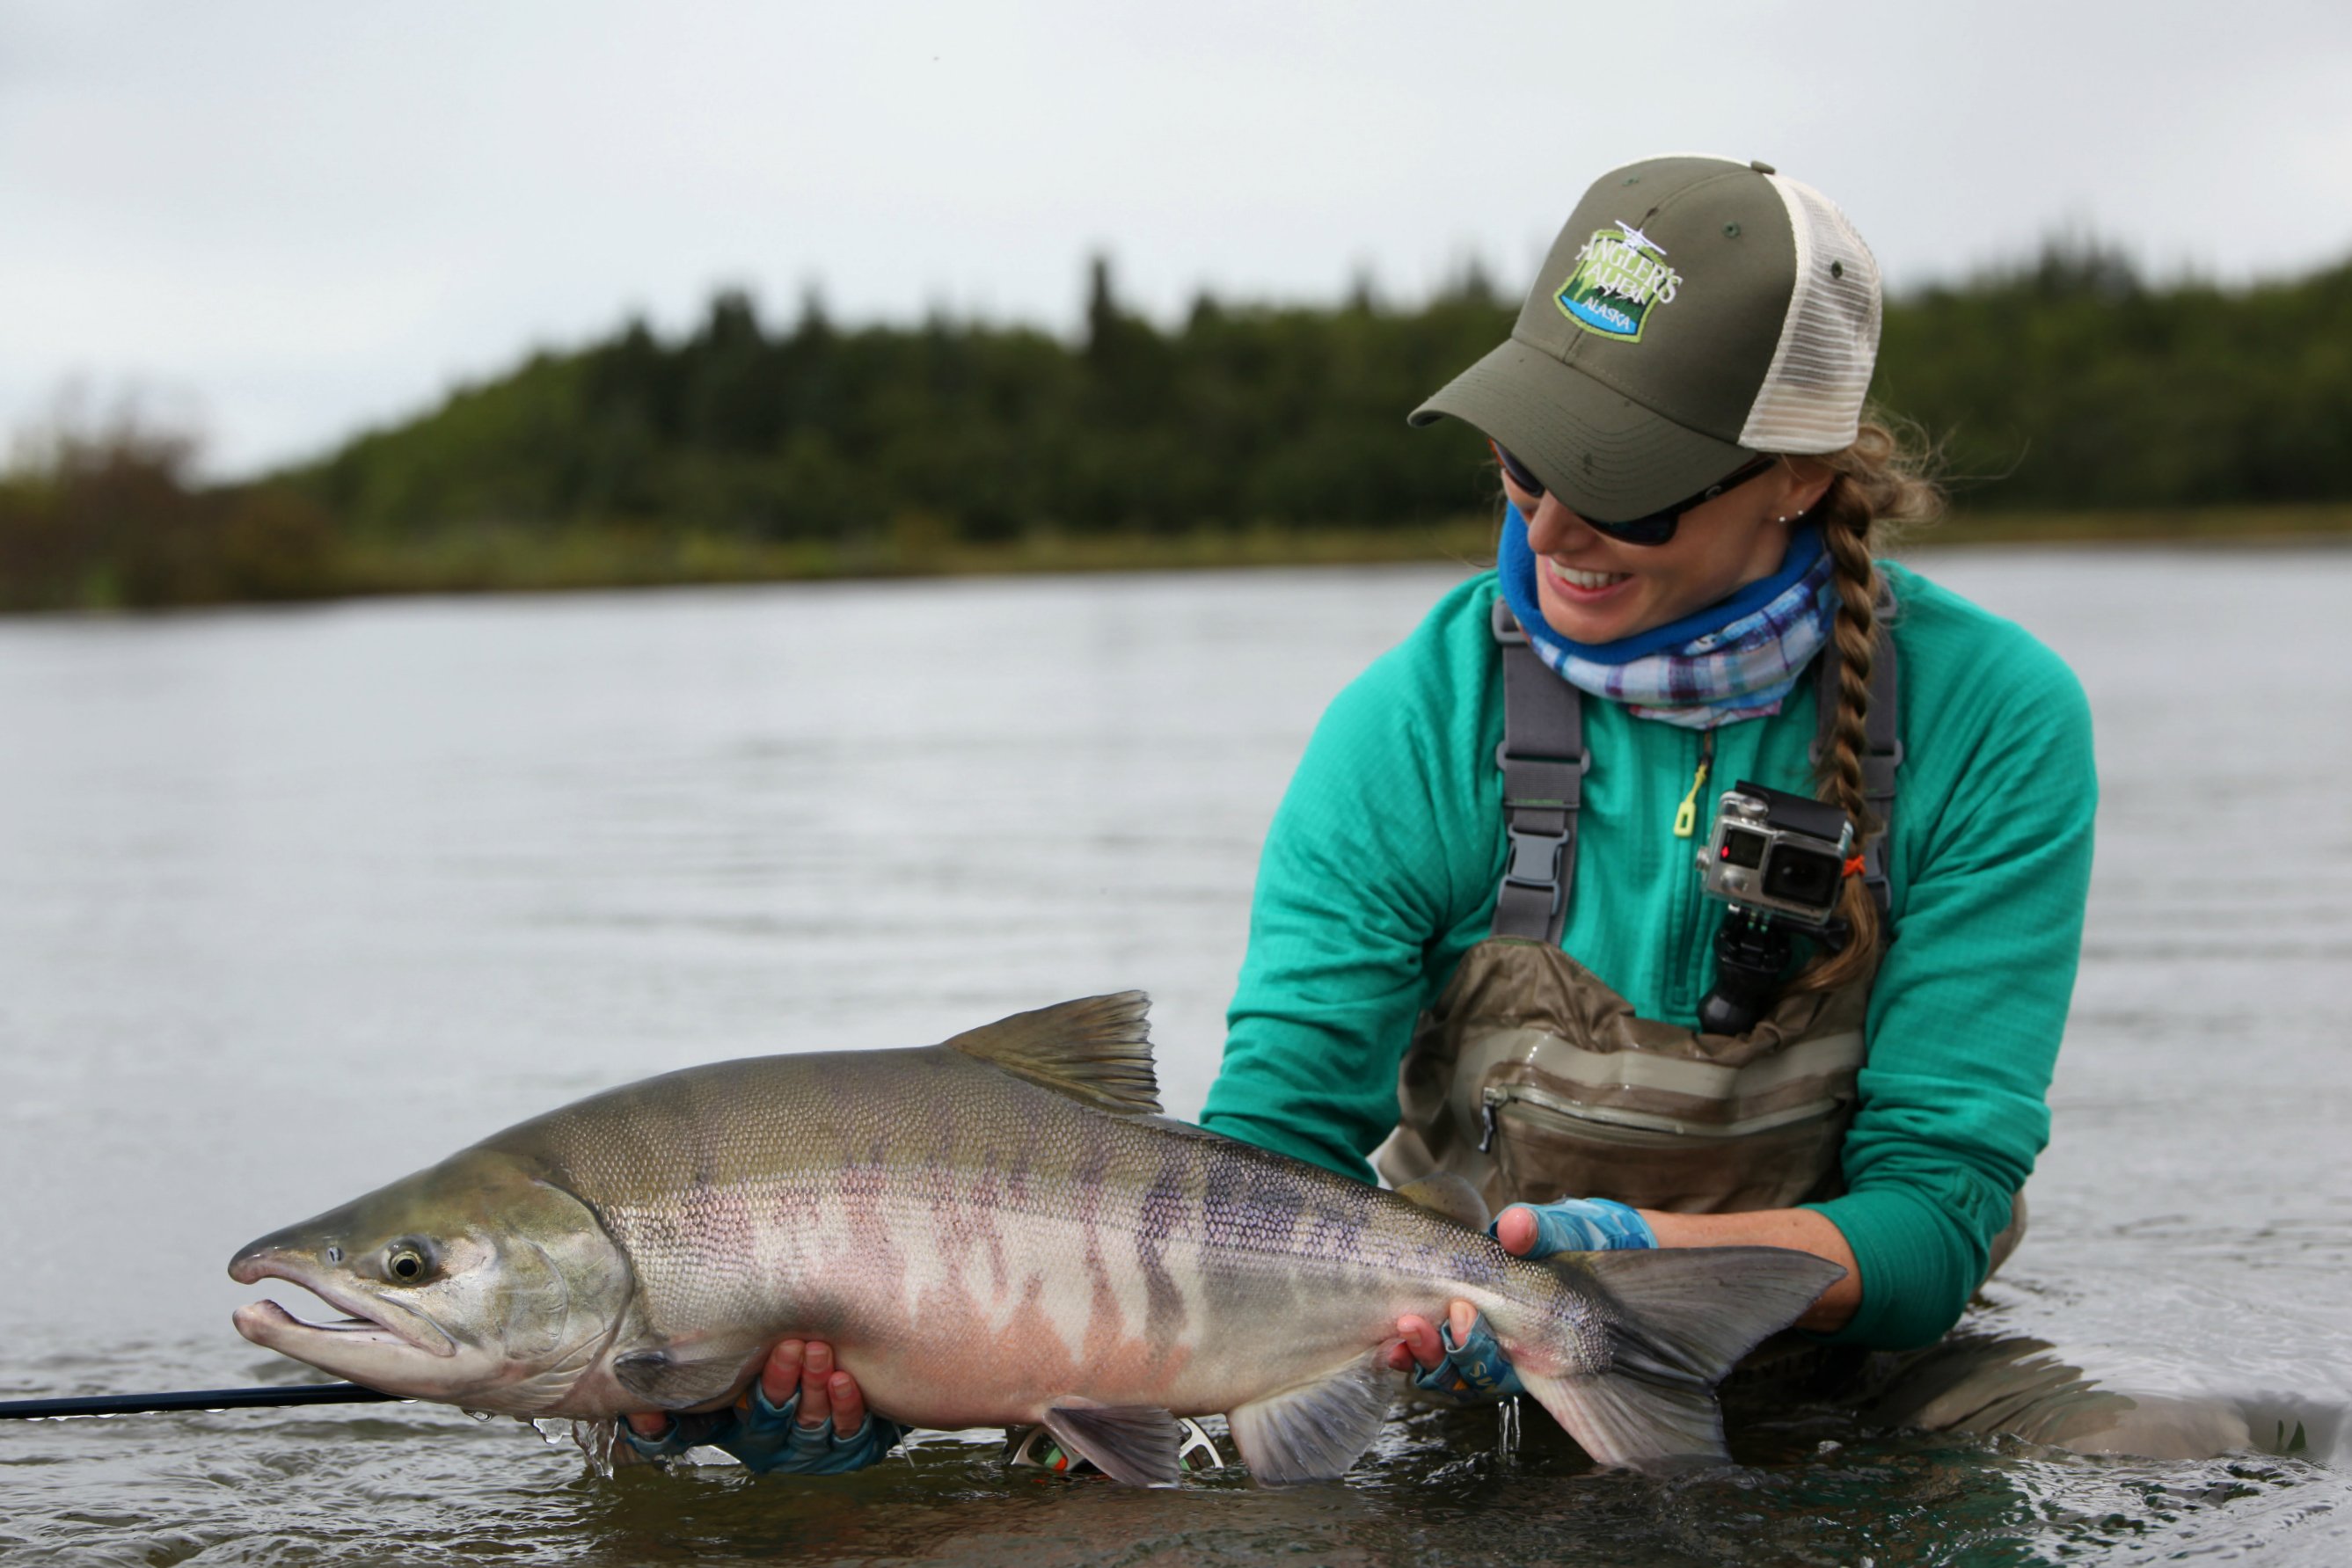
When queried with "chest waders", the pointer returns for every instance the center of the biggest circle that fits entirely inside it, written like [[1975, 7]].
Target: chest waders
[[1532, 1079]]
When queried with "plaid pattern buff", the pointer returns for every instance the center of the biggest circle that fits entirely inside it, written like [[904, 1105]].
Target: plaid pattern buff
[[1743, 668]]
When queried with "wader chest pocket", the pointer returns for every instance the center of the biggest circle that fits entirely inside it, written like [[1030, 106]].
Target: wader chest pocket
[[1544, 1146]]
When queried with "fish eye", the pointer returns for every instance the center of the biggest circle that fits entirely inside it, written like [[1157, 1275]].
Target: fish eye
[[406, 1262]]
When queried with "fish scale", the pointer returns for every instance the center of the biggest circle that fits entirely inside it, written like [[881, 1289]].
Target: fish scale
[[998, 1229]]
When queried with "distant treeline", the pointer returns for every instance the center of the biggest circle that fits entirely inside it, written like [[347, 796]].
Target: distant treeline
[[2073, 384], [752, 448], [982, 432]]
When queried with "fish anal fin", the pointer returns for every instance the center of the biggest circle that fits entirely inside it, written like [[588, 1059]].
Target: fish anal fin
[[1136, 1444], [681, 1377], [1096, 1050], [1314, 1431], [1625, 1421], [1447, 1193]]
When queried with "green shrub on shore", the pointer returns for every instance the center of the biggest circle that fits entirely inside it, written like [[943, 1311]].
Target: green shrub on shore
[[106, 517]]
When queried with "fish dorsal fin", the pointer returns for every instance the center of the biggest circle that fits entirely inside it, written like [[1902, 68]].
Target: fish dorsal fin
[[1095, 1050]]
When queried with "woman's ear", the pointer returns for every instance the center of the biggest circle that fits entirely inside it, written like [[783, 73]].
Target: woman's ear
[[1808, 480]]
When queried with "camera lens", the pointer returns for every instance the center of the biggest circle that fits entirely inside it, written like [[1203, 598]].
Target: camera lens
[[1742, 847], [1802, 876]]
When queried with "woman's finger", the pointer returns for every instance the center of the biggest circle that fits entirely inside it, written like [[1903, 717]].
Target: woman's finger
[[816, 1385], [781, 1378], [1465, 1319], [647, 1423], [1515, 1228], [1418, 1338], [848, 1405]]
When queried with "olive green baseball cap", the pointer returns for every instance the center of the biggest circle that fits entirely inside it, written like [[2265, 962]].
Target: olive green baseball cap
[[1694, 311]]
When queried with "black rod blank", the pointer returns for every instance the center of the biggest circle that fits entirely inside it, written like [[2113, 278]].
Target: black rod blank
[[192, 1399]]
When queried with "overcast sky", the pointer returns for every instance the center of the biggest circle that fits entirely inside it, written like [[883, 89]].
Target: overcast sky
[[293, 220]]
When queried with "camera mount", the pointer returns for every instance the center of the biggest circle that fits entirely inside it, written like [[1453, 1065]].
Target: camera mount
[[1780, 862]]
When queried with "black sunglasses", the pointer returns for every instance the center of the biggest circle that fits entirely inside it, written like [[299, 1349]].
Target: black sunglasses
[[1656, 528]]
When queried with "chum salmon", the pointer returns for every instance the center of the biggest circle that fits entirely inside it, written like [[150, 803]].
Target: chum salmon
[[999, 1230]]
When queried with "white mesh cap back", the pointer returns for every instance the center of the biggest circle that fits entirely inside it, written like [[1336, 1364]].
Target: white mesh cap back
[[1811, 397]]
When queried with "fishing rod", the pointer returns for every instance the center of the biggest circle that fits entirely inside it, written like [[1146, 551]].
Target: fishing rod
[[192, 1399]]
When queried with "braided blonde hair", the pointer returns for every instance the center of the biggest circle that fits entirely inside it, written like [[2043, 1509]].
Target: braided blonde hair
[[1880, 486]]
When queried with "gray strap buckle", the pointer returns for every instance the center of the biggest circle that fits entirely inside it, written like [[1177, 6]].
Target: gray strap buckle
[[1541, 798], [1536, 861]]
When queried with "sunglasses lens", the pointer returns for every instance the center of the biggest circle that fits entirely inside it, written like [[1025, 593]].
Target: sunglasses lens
[[1518, 472], [1655, 529], [1659, 526]]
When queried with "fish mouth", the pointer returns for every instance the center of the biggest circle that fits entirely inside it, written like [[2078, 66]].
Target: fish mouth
[[369, 1322]]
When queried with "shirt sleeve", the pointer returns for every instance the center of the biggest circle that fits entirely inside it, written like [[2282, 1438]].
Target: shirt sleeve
[[1352, 890], [1970, 1002]]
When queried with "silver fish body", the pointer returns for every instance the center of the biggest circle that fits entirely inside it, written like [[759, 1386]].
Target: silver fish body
[[993, 1230]]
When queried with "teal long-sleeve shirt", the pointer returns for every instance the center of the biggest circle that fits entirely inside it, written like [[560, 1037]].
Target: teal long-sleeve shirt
[[1380, 868]]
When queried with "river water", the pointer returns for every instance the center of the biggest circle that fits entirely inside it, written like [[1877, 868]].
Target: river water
[[293, 902]]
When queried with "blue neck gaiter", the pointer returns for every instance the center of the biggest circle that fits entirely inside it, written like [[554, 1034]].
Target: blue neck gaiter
[[1738, 658]]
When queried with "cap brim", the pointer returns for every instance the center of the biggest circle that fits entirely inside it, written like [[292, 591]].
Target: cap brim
[[1600, 451]]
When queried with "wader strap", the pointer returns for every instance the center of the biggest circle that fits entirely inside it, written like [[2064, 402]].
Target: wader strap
[[1882, 735], [1543, 761]]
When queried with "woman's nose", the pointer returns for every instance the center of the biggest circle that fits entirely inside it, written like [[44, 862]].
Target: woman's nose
[[1554, 527]]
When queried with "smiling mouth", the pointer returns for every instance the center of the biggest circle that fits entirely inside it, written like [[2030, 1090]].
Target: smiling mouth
[[1587, 581], [271, 1325]]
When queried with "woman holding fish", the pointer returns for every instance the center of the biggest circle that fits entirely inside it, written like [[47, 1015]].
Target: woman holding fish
[[1483, 941], [1480, 942]]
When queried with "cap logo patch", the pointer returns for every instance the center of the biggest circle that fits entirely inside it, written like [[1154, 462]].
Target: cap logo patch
[[1621, 276]]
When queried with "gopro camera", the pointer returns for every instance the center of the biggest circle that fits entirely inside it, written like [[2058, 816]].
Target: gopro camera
[[1774, 853]]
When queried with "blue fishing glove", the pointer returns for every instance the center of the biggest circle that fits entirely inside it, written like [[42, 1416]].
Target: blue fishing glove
[[770, 1437], [1476, 1370], [1586, 1224]]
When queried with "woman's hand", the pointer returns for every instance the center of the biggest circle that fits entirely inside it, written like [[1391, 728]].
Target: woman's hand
[[1418, 1344], [801, 1366], [805, 1416], [827, 1393], [1536, 1230]]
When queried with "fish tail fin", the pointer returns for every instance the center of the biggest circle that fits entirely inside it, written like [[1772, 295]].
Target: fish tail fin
[[1674, 1320]]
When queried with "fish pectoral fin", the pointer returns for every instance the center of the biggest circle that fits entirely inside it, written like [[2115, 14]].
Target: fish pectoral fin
[[679, 1378], [1444, 1191], [1096, 1050], [1314, 1431], [1136, 1444]]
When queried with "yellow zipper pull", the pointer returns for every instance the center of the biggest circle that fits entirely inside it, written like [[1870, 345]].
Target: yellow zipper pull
[[1686, 815]]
